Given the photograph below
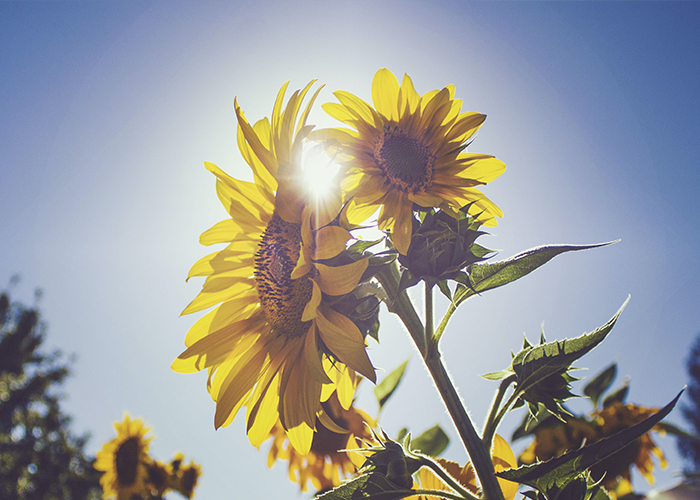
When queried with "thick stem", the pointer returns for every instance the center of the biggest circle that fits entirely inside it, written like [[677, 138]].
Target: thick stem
[[494, 418], [429, 321], [402, 306], [477, 451]]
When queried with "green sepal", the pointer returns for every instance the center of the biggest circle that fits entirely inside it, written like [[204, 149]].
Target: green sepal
[[498, 375], [542, 370], [371, 486], [618, 396], [487, 276], [551, 477], [407, 280], [431, 442], [385, 389], [361, 245], [445, 289], [600, 383]]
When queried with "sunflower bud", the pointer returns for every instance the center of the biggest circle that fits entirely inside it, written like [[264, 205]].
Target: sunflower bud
[[441, 247]]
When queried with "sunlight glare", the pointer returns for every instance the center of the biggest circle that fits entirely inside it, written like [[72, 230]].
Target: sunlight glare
[[319, 171]]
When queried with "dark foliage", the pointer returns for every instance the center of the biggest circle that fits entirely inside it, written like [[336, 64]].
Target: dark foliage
[[39, 457], [688, 447]]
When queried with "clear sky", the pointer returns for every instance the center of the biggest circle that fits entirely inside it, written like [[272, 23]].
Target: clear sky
[[109, 109]]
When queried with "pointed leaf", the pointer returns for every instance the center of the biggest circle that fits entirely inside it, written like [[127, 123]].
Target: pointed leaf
[[534, 364], [556, 473], [488, 276], [618, 396], [600, 383], [372, 486], [384, 390], [432, 442]]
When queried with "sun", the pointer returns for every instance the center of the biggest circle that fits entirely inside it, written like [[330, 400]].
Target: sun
[[319, 171]]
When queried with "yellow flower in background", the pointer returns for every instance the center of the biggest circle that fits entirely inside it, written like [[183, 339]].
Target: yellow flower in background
[[273, 344], [325, 465], [503, 459], [409, 149], [556, 438], [124, 460]]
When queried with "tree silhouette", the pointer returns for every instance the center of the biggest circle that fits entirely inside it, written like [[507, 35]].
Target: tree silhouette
[[689, 447], [39, 457]]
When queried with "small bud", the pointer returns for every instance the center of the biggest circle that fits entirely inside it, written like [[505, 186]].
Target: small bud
[[441, 247]]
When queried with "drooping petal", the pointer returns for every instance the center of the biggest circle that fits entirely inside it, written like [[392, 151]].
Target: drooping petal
[[345, 341], [339, 280]]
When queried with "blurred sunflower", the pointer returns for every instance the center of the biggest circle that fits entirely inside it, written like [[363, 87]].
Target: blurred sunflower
[[124, 460], [502, 456], [326, 465], [553, 438], [274, 344], [409, 149]]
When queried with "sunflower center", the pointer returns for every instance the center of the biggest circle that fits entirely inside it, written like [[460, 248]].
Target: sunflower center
[[406, 161], [127, 460], [282, 298]]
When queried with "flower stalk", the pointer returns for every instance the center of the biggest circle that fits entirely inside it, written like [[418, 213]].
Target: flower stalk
[[403, 307]]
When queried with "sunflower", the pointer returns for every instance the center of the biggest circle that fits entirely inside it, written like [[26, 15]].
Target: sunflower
[[326, 464], [502, 456], [556, 438], [409, 149], [274, 344], [124, 460]]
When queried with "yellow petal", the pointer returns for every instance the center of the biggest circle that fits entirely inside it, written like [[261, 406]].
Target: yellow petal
[[358, 107], [312, 356], [504, 458], [341, 279], [263, 415], [408, 95], [227, 313], [206, 300], [300, 438], [239, 382], [385, 94], [344, 340], [310, 310], [330, 241]]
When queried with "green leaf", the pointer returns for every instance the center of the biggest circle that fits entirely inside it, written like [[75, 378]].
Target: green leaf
[[553, 476], [678, 432], [618, 396], [432, 442], [384, 389], [600, 383], [497, 375], [542, 369], [488, 276], [361, 245], [373, 486]]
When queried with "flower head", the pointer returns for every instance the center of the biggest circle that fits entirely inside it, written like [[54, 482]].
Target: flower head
[[409, 149], [327, 462], [274, 344], [124, 460], [502, 456], [553, 438]]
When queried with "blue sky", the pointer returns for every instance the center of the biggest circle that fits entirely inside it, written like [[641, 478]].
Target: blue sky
[[109, 109]]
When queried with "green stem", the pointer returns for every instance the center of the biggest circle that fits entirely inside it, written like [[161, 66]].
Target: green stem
[[448, 479], [429, 321], [443, 324], [511, 400], [494, 418], [402, 306], [439, 493], [478, 453]]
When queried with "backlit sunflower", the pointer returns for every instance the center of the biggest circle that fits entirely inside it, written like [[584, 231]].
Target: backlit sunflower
[[273, 344], [409, 149], [554, 438], [124, 460], [502, 456], [325, 465]]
